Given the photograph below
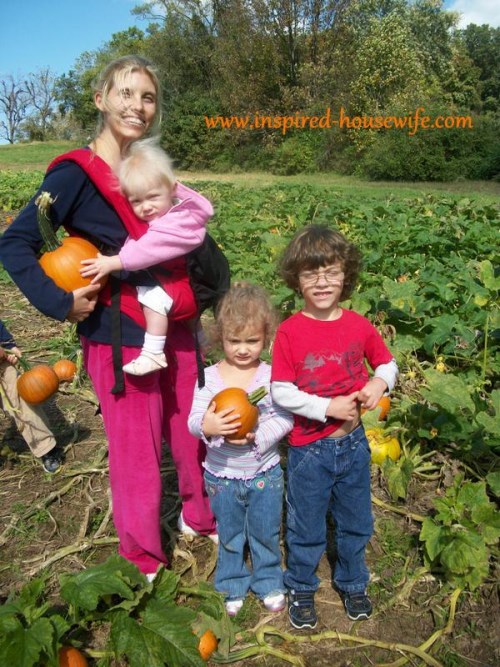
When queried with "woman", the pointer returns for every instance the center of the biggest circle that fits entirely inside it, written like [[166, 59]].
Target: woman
[[148, 407]]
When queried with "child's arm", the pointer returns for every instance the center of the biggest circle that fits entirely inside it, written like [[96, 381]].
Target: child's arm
[[204, 423], [179, 231], [100, 266], [290, 397], [274, 424], [383, 380]]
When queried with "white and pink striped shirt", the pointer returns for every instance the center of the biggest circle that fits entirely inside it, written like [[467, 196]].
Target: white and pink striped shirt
[[237, 461]]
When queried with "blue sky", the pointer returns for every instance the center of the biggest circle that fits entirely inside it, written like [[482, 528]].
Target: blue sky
[[52, 33]]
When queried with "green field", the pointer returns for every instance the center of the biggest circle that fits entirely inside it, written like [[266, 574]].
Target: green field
[[430, 284]]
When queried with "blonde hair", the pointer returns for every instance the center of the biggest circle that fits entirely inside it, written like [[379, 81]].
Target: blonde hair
[[145, 166], [244, 305], [116, 73]]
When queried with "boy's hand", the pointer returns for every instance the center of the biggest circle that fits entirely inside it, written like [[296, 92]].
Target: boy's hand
[[12, 355], [222, 423], [371, 393], [344, 407], [100, 267]]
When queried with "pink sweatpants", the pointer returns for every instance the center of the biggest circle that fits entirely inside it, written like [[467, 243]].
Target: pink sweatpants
[[135, 420]]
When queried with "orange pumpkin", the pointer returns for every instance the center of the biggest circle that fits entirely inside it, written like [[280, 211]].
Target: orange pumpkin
[[207, 645], [243, 404], [65, 369], [64, 263], [69, 656], [38, 384], [62, 259], [384, 404]]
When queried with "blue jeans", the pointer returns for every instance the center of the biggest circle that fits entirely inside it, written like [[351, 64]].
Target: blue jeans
[[329, 474], [248, 511]]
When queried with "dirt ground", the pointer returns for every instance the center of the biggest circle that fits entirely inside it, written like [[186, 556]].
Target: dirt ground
[[63, 523]]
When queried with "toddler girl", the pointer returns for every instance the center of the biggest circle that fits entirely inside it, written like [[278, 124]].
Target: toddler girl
[[148, 182], [243, 478]]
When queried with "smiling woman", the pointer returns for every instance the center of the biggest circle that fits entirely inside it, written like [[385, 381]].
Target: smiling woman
[[138, 412]]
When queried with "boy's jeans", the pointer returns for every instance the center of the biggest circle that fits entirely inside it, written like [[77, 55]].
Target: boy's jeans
[[329, 474], [248, 511]]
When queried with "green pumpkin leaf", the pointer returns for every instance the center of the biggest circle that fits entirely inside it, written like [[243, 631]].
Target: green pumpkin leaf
[[448, 391]]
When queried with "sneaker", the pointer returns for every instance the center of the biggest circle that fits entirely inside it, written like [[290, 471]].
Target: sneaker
[[233, 606], [151, 576], [190, 533], [274, 602], [301, 609], [52, 461], [357, 605], [146, 363]]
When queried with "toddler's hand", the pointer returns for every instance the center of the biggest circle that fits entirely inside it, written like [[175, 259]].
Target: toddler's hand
[[249, 439], [222, 423], [12, 355], [344, 407], [100, 267]]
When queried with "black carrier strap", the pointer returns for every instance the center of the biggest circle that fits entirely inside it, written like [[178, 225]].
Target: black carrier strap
[[116, 335]]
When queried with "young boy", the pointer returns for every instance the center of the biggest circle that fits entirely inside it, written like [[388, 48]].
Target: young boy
[[319, 374], [30, 420]]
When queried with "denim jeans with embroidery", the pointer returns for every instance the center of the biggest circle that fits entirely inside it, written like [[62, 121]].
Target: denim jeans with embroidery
[[331, 474], [248, 512]]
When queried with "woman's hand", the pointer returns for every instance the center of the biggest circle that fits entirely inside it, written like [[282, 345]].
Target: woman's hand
[[345, 408], [84, 301], [100, 267], [222, 423]]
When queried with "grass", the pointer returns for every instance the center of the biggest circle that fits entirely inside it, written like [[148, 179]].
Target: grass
[[37, 155]]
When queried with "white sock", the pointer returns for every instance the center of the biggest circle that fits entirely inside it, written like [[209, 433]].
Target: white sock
[[154, 344]]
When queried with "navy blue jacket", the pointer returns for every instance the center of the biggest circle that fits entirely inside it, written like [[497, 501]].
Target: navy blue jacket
[[6, 339], [80, 205]]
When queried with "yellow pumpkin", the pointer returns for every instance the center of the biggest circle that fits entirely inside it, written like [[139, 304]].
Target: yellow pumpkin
[[382, 445]]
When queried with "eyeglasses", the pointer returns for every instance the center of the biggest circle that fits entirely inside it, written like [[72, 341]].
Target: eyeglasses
[[332, 277]]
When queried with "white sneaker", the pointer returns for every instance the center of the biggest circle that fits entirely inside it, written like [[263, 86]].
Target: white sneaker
[[274, 602], [151, 576], [233, 606], [146, 362], [190, 533]]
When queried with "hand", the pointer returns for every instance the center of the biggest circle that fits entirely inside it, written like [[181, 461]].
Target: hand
[[222, 423], [344, 408], [84, 301], [371, 393], [249, 439], [100, 267], [12, 355]]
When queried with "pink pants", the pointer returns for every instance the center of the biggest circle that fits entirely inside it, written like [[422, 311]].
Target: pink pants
[[135, 420]]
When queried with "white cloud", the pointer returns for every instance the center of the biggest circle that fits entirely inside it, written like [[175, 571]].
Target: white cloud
[[478, 12]]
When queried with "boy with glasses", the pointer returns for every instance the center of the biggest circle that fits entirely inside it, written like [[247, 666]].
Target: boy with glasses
[[319, 374]]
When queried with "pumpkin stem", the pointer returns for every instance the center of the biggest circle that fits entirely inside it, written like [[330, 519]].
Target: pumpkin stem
[[257, 395], [43, 203]]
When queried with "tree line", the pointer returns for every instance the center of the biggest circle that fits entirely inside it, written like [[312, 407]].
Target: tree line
[[297, 58]]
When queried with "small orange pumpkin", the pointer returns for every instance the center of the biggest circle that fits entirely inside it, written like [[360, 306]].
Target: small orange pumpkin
[[242, 403], [69, 656], [62, 259], [65, 369], [384, 404], [38, 384], [207, 645]]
